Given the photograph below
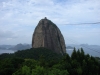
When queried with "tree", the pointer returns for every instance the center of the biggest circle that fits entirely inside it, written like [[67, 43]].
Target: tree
[[55, 71], [23, 71], [74, 54], [38, 71]]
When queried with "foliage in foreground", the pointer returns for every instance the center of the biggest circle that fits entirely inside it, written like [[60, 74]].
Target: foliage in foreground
[[76, 64]]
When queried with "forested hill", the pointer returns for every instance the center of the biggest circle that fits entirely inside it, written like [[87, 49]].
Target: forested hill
[[33, 53], [41, 61]]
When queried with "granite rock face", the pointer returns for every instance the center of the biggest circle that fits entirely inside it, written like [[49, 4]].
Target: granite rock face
[[48, 35]]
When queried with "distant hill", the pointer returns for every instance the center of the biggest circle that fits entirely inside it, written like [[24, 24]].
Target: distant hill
[[5, 47], [69, 47], [84, 46], [15, 47], [20, 47]]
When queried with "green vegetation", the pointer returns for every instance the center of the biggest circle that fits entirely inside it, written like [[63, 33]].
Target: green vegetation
[[41, 61]]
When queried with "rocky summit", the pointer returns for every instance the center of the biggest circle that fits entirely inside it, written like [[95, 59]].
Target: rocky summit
[[48, 35]]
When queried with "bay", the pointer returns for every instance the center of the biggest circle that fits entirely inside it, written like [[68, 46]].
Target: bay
[[6, 51]]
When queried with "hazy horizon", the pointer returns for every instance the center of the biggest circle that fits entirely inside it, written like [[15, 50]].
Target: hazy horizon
[[66, 44]]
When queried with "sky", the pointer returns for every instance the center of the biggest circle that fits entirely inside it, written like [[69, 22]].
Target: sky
[[18, 19]]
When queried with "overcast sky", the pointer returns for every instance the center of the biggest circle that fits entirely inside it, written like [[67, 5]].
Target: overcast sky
[[18, 18]]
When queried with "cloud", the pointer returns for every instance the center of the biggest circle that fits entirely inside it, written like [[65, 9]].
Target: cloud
[[7, 34], [72, 12]]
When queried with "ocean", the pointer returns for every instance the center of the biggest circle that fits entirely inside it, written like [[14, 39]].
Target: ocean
[[6, 51]]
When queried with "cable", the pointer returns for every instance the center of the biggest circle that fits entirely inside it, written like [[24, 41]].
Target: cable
[[72, 41], [84, 23], [84, 46]]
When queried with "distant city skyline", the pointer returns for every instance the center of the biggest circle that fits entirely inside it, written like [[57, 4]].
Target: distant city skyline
[[18, 19]]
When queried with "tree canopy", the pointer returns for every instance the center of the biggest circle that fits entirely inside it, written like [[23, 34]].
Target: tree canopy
[[41, 61]]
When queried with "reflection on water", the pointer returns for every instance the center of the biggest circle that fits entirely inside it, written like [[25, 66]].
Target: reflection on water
[[6, 51]]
